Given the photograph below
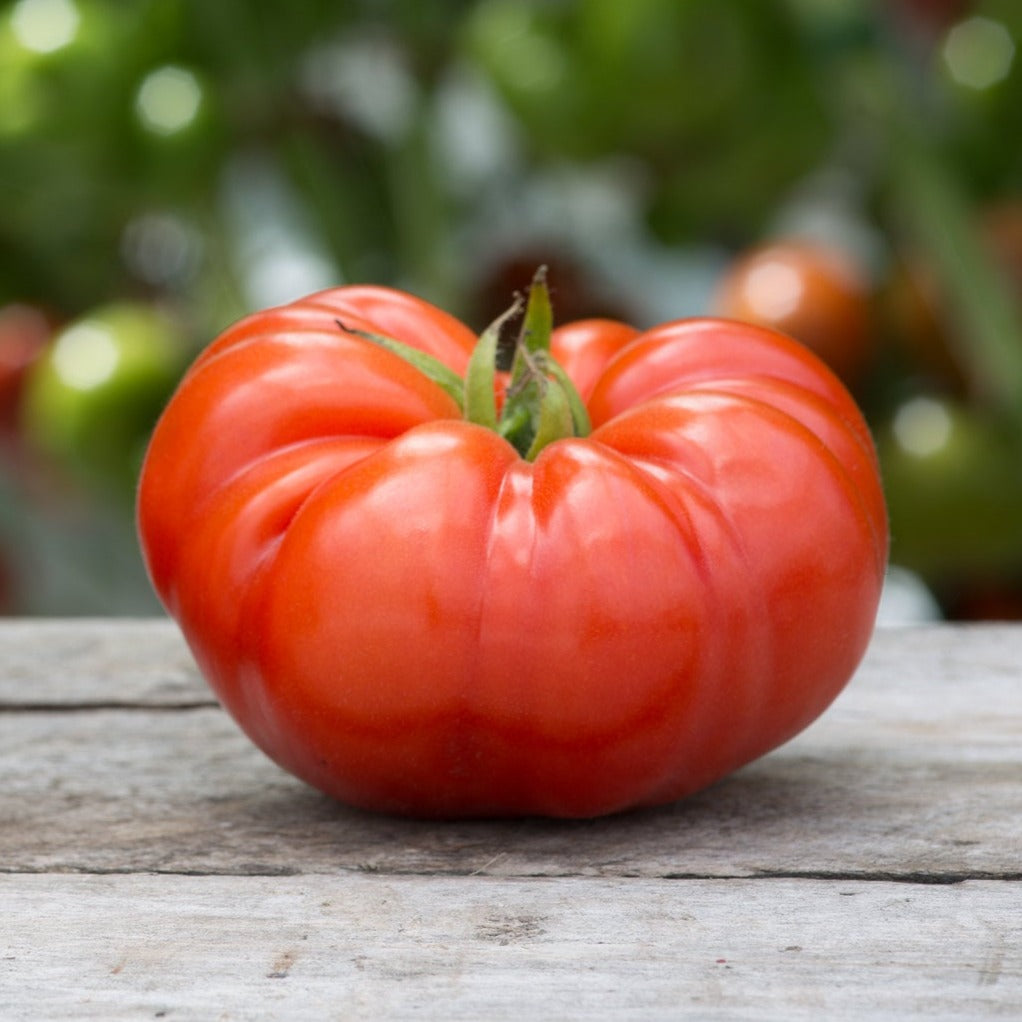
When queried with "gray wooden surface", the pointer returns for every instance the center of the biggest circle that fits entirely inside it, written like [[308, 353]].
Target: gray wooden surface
[[154, 865]]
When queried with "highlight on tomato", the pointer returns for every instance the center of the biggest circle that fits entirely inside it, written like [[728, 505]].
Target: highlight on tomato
[[563, 572]]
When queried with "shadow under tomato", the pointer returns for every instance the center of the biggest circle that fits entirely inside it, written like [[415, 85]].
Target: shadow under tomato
[[776, 815]]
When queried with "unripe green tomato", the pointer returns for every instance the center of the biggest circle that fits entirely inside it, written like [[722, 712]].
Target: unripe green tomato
[[953, 481], [92, 399]]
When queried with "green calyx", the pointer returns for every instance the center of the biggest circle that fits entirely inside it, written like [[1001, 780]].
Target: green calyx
[[540, 402]]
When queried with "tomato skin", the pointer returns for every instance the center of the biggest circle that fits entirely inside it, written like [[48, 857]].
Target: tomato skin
[[400, 609], [585, 346]]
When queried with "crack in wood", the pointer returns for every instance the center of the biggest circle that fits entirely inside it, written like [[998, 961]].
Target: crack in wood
[[842, 876], [108, 705]]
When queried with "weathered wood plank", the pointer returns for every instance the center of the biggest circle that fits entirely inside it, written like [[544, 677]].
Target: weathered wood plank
[[154, 864], [78, 661], [129, 947], [915, 772], [81, 662]]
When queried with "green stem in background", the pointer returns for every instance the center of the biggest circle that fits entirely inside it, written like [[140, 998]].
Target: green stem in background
[[339, 198], [925, 201], [421, 205], [987, 327]]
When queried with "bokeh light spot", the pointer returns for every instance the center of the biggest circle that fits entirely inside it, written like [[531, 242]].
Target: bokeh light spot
[[44, 26], [161, 248], [85, 356], [979, 52], [773, 290], [922, 426], [168, 100]]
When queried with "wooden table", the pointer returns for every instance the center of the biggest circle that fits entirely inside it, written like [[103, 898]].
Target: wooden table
[[154, 865]]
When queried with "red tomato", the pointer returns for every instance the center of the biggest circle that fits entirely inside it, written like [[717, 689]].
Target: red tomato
[[24, 333], [935, 14], [584, 348], [404, 611], [8, 586], [812, 292]]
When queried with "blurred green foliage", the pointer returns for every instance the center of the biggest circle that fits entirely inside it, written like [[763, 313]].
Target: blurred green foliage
[[201, 159]]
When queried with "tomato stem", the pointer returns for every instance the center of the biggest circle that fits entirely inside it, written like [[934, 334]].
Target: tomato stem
[[541, 403], [581, 424]]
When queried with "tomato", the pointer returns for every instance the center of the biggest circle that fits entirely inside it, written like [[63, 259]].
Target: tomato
[[585, 346], [811, 291], [7, 586], [934, 15], [405, 611], [954, 491], [24, 333], [92, 398]]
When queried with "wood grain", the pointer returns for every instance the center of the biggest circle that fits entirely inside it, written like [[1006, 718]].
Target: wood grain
[[80, 662], [915, 772], [131, 947], [154, 864]]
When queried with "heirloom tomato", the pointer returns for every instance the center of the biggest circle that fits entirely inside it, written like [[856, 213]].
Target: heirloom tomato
[[430, 588]]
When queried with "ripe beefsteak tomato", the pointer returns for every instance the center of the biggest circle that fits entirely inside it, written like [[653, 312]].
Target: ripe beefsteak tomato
[[427, 605]]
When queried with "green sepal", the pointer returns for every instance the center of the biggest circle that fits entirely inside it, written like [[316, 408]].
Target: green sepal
[[581, 423], [554, 420], [538, 324], [480, 399], [430, 366], [541, 402]]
